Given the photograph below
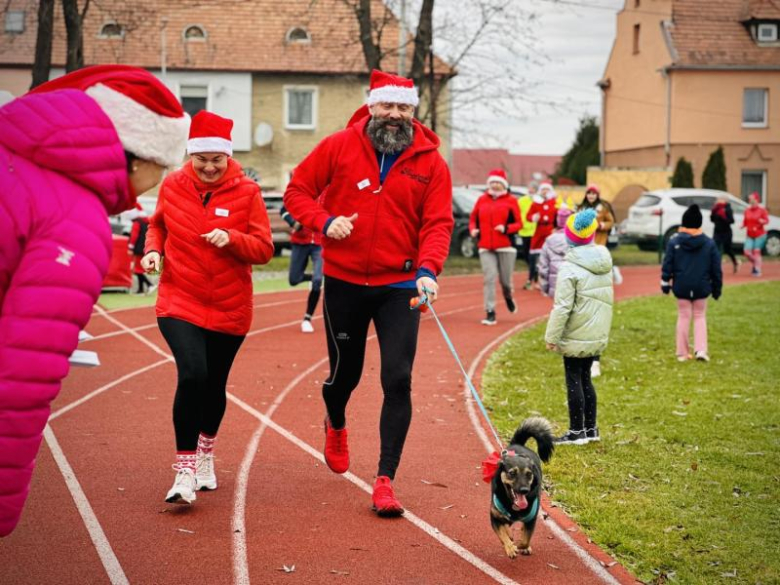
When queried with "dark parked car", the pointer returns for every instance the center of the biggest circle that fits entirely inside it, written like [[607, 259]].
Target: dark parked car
[[280, 231], [463, 200]]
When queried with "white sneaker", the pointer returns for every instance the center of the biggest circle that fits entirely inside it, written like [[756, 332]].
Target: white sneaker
[[183, 490], [702, 356], [306, 326], [617, 275], [595, 369], [205, 476]]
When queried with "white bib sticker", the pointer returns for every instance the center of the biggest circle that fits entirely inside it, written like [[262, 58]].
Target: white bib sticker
[[221, 212], [364, 183]]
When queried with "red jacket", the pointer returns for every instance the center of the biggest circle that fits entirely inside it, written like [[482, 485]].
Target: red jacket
[[404, 226], [546, 224], [755, 218], [208, 286], [303, 235], [488, 214]]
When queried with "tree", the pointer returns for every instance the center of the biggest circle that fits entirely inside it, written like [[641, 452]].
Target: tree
[[714, 175], [582, 154], [43, 43], [683, 174], [73, 25]]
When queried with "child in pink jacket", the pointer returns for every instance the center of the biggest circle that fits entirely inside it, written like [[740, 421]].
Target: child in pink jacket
[[71, 151]]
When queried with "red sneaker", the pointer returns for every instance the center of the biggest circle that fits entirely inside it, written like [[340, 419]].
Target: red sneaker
[[336, 448], [384, 500]]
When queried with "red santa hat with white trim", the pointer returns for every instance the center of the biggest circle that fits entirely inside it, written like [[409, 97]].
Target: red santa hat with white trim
[[147, 117], [210, 133], [498, 176], [391, 89]]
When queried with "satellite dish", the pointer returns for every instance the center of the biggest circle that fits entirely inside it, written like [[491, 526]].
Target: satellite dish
[[264, 134]]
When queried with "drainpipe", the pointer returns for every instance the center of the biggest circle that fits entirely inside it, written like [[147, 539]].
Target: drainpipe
[[163, 48], [603, 86], [668, 142]]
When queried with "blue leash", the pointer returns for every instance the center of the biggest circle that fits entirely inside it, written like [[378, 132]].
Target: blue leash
[[424, 301]]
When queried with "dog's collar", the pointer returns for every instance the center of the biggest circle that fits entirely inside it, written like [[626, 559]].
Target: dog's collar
[[506, 514]]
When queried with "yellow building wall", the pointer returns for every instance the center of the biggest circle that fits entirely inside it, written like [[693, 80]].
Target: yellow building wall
[[613, 181]]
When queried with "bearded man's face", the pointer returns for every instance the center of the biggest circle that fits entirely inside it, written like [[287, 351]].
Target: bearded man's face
[[390, 128]]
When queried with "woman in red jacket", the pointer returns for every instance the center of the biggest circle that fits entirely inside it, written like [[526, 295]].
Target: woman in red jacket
[[493, 220], [210, 226], [755, 218]]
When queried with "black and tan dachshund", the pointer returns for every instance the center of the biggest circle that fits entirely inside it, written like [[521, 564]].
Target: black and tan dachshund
[[516, 486]]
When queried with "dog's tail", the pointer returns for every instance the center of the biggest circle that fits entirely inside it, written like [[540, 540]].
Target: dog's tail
[[540, 429]]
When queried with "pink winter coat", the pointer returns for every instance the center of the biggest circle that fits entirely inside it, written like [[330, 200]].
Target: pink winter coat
[[62, 169]]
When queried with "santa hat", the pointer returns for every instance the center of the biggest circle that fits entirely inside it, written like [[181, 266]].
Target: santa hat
[[147, 117], [210, 133], [498, 176], [581, 228], [391, 89], [755, 197], [593, 188]]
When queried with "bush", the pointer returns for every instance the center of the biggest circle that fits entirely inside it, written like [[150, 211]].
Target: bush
[[683, 174], [714, 175]]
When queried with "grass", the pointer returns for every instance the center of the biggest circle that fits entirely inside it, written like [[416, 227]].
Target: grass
[[685, 484]]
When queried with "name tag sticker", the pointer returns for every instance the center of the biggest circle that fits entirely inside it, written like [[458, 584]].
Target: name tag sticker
[[363, 184], [221, 212]]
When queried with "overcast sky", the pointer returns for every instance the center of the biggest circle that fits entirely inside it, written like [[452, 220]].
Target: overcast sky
[[577, 40]]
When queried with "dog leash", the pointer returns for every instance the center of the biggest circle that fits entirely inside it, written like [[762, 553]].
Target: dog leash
[[423, 305]]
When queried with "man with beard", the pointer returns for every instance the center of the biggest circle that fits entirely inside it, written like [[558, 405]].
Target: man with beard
[[382, 195]]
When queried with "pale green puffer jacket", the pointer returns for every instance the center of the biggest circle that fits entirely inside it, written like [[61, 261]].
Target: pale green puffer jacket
[[582, 315]]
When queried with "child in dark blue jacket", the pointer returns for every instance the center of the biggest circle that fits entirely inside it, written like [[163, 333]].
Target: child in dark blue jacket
[[691, 270]]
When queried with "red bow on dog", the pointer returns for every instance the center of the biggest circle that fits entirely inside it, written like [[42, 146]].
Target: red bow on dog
[[490, 465]]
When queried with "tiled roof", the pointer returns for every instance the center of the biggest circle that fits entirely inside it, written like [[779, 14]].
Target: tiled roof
[[470, 166], [711, 33], [241, 35]]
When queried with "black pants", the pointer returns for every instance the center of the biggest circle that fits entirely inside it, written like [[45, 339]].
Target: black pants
[[301, 254], [533, 266], [143, 283], [203, 361], [349, 308], [581, 393], [723, 242]]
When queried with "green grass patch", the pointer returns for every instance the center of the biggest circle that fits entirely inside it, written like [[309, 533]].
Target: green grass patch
[[685, 484]]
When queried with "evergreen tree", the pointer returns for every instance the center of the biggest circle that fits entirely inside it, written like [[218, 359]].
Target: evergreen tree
[[714, 175], [582, 154], [683, 174]]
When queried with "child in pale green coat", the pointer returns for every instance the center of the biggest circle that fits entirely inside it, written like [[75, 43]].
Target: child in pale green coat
[[579, 323]]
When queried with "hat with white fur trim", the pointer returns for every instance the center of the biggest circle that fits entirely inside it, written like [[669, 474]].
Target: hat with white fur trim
[[147, 117], [391, 89], [498, 176], [210, 133]]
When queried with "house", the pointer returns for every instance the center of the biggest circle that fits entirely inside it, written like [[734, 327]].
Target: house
[[687, 76], [288, 73], [471, 165]]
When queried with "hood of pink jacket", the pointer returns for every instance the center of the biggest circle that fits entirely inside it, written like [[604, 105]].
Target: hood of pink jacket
[[66, 132]]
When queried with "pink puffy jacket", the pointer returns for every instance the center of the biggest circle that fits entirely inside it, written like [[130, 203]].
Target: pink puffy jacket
[[62, 169]]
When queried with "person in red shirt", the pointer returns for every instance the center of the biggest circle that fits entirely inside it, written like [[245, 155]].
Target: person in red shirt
[[209, 227], [387, 221], [542, 213], [494, 220], [754, 220], [306, 245], [135, 247]]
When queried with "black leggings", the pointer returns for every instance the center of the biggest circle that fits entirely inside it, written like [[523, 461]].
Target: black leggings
[[203, 361], [581, 393], [349, 309], [723, 242], [533, 266]]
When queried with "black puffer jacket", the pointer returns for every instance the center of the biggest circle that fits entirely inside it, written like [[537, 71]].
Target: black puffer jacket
[[692, 264]]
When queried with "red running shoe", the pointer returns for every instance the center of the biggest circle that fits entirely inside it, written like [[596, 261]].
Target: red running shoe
[[336, 448], [384, 500]]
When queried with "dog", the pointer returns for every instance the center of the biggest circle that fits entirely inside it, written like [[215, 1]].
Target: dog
[[516, 484]]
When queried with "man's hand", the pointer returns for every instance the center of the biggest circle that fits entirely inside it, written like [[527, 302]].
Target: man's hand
[[296, 227], [474, 233], [552, 347], [430, 285], [151, 262], [500, 229], [217, 237], [341, 227]]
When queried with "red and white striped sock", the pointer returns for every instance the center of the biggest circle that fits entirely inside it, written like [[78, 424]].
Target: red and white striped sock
[[206, 444], [185, 460]]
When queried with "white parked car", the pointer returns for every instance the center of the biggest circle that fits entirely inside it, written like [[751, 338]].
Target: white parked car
[[122, 224], [660, 213]]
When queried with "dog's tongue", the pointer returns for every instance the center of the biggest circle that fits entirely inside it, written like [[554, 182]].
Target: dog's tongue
[[520, 502]]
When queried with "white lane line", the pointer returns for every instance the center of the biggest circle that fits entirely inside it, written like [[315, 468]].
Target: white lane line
[[580, 552], [434, 533], [104, 550], [119, 332]]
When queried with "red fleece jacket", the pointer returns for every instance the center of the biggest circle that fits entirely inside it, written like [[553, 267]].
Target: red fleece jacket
[[404, 226], [488, 214]]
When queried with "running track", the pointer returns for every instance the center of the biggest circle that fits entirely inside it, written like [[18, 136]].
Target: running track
[[96, 512]]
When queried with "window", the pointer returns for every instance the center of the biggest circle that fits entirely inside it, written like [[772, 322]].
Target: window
[[648, 200], [298, 35], [754, 108], [194, 32], [705, 202], [636, 3], [194, 98], [636, 39], [753, 182], [300, 105], [767, 33], [14, 21], [111, 30]]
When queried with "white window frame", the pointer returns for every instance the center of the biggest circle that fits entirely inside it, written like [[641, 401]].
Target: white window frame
[[102, 35], [766, 26], [763, 182], [289, 40], [314, 106], [186, 87], [202, 28], [12, 22], [765, 123]]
